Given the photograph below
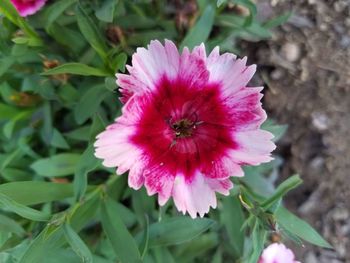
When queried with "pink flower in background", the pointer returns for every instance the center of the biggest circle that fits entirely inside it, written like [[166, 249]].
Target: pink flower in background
[[277, 253], [189, 123], [28, 7]]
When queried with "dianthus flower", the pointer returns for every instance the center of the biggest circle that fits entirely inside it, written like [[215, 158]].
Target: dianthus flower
[[28, 7], [189, 123], [277, 253]]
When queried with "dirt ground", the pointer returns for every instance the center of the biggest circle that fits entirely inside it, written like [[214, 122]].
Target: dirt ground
[[306, 69]]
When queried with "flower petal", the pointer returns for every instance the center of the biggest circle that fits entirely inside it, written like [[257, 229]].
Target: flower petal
[[148, 67], [26, 8], [246, 112], [194, 196], [277, 253], [232, 73], [255, 147]]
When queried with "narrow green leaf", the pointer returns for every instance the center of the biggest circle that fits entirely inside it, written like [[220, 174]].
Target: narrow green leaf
[[106, 12], [200, 32], [233, 218], [220, 2], [252, 10], [7, 8], [176, 230], [22, 210], [43, 244], [52, 237], [122, 242], [68, 37], [58, 165], [14, 174], [80, 134], [77, 244], [10, 225], [96, 127], [31, 192], [58, 140], [54, 10], [87, 163], [145, 240], [190, 251], [119, 61], [76, 69], [282, 189], [299, 227], [110, 84], [258, 237], [277, 130], [5, 64], [89, 103], [7, 112], [91, 32], [277, 21]]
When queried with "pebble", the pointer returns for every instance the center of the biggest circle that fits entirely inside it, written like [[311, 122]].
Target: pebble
[[277, 74], [291, 51], [320, 121]]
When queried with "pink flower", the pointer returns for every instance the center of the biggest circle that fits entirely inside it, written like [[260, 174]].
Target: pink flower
[[277, 253], [28, 7], [189, 123]]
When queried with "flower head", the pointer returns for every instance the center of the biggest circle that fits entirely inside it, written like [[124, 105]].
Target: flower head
[[28, 7], [189, 123], [277, 253]]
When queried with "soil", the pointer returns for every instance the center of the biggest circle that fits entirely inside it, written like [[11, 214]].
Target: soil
[[306, 71]]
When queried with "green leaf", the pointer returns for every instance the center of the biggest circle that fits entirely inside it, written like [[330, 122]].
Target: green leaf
[[258, 238], [122, 242], [10, 225], [119, 61], [9, 127], [232, 218], [52, 237], [5, 64], [68, 37], [87, 163], [176, 230], [145, 240], [7, 8], [252, 10], [299, 227], [54, 10], [58, 165], [14, 174], [282, 190], [22, 210], [277, 21], [43, 244], [96, 127], [58, 140], [76, 69], [89, 103], [31, 192], [277, 130], [80, 134], [7, 112], [197, 248], [200, 32], [220, 2], [106, 12], [110, 84], [91, 32], [77, 244]]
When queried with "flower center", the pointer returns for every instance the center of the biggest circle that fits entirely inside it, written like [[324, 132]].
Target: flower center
[[183, 128]]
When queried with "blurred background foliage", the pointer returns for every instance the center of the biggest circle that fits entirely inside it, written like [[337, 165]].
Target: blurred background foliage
[[57, 91]]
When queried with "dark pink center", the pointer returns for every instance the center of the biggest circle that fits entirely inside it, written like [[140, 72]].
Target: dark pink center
[[184, 129]]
